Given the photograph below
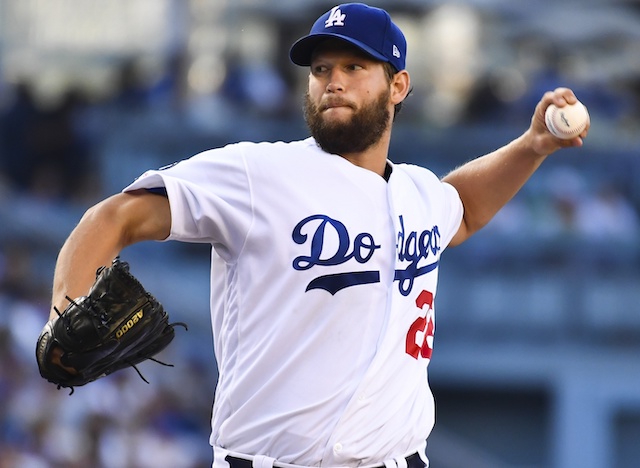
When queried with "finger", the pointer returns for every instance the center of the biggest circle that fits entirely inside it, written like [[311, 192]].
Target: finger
[[562, 96], [576, 142], [56, 358]]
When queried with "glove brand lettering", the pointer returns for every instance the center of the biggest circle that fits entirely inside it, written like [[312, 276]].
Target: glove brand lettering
[[414, 248], [317, 230], [128, 325]]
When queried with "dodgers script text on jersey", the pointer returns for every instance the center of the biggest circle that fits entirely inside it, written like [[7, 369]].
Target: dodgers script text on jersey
[[331, 226], [413, 247]]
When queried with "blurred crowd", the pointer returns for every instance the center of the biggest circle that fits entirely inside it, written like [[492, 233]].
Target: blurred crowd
[[49, 174], [53, 157]]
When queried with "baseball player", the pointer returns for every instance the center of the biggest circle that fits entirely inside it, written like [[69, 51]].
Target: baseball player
[[325, 257]]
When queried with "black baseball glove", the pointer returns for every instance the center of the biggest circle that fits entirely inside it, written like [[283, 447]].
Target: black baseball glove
[[117, 325]]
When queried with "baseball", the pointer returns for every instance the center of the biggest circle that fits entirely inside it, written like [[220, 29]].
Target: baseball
[[566, 122]]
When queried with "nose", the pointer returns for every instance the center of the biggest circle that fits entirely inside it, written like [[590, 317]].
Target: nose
[[336, 81]]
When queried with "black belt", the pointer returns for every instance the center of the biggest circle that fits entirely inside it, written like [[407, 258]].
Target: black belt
[[413, 461]]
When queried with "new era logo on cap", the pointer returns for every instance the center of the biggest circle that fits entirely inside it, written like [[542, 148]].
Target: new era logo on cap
[[368, 28]]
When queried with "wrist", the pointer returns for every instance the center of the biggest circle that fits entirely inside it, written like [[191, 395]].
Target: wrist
[[534, 145]]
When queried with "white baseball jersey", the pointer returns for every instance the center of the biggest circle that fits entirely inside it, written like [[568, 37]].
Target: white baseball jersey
[[323, 279]]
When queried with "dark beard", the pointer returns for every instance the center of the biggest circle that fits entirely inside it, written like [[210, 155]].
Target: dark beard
[[363, 130]]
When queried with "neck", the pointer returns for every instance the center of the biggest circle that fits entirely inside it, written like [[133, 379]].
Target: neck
[[373, 158]]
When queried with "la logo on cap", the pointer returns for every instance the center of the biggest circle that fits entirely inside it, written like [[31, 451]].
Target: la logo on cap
[[336, 18]]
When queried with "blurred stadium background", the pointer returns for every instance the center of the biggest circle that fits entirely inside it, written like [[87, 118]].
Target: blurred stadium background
[[538, 333]]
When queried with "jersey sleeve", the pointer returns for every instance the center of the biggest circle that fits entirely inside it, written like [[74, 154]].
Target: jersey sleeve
[[442, 198], [210, 198], [453, 212]]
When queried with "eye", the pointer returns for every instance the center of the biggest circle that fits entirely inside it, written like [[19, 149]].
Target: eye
[[318, 69], [355, 67]]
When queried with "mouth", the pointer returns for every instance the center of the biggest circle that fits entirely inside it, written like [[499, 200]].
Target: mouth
[[335, 105]]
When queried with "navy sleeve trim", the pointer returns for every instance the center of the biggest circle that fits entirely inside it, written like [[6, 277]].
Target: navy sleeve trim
[[158, 191]]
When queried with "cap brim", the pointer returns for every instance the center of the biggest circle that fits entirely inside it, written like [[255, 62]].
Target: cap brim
[[302, 50]]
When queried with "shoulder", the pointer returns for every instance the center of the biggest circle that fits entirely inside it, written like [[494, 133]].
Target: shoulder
[[276, 147], [417, 174], [423, 181], [257, 150]]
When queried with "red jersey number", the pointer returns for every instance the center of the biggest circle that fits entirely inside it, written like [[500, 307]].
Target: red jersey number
[[419, 326]]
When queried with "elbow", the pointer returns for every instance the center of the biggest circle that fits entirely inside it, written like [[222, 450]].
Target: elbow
[[132, 217], [108, 222], [468, 227]]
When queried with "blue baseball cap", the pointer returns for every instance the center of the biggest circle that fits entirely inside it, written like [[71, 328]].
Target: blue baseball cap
[[368, 28]]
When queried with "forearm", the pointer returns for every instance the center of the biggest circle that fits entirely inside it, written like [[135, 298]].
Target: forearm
[[93, 243], [102, 233], [487, 183]]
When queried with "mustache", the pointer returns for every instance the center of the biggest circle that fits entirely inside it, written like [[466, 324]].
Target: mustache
[[335, 102]]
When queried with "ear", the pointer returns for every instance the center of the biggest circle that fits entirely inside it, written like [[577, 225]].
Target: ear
[[400, 86]]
